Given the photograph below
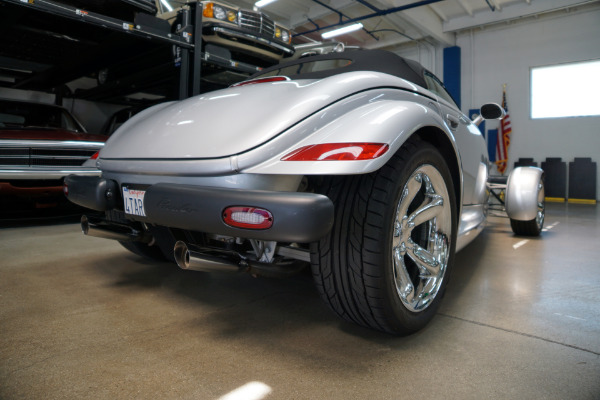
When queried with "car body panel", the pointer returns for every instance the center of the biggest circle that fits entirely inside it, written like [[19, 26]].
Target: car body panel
[[473, 154], [262, 112]]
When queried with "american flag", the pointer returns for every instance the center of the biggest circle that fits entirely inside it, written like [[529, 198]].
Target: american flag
[[503, 138]]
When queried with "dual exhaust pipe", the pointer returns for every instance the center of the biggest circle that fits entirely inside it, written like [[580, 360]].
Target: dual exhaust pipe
[[190, 258], [198, 261], [114, 232], [185, 258]]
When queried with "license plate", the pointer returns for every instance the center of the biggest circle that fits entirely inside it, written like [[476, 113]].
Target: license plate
[[134, 201]]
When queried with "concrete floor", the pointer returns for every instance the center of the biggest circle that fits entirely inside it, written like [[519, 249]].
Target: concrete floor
[[80, 317]]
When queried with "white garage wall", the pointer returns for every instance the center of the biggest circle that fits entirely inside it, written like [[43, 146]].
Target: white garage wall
[[505, 53]]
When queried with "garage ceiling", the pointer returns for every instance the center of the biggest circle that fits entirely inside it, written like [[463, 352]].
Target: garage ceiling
[[433, 20]]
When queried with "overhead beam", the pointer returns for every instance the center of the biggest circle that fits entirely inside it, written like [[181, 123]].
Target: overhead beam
[[392, 42], [425, 20], [429, 24], [373, 15], [509, 12], [317, 11], [439, 13], [465, 7]]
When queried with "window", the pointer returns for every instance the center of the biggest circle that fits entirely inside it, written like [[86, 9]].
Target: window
[[20, 114], [566, 90], [436, 86], [308, 67]]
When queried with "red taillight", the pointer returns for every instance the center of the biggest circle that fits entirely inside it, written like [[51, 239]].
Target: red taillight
[[338, 152], [95, 156], [66, 188], [248, 217], [262, 80]]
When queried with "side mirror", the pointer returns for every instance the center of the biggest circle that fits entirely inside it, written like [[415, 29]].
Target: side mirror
[[489, 111], [492, 111]]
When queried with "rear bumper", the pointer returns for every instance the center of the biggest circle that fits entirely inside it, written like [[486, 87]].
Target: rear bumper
[[297, 217]]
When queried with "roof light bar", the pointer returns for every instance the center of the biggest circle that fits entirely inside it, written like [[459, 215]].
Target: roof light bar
[[342, 30], [167, 5]]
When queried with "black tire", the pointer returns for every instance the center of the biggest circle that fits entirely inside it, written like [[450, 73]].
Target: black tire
[[354, 267], [525, 228]]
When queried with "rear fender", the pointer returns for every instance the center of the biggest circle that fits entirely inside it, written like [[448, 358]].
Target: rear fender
[[522, 193], [385, 121]]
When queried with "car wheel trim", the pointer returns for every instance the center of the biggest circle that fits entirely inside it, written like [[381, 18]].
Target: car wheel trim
[[539, 219], [420, 243]]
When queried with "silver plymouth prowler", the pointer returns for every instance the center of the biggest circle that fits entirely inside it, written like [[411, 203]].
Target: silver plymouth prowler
[[357, 163]]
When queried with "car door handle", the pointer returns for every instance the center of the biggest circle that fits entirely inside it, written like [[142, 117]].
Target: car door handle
[[452, 121]]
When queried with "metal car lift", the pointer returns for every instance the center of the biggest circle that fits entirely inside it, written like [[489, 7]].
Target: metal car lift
[[186, 42]]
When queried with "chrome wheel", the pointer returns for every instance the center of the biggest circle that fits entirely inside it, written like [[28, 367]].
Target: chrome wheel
[[421, 239], [541, 207]]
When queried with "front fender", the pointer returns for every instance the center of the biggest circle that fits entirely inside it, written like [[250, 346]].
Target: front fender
[[524, 190], [387, 120]]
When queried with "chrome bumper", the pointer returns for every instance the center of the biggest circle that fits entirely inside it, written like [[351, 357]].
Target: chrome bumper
[[40, 173]]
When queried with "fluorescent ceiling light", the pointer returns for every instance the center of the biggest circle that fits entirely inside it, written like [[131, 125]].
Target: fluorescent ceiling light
[[342, 30], [167, 5], [262, 3]]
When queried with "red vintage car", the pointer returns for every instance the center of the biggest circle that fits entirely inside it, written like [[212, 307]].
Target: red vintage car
[[40, 144]]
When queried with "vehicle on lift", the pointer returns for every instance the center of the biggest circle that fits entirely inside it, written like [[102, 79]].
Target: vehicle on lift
[[234, 33], [40, 144], [359, 163]]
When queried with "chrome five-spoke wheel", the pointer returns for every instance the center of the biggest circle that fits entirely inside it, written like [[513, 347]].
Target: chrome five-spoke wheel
[[422, 229]]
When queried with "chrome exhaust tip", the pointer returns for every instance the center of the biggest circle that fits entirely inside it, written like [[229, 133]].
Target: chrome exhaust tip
[[113, 232], [182, 255], [196, 261]]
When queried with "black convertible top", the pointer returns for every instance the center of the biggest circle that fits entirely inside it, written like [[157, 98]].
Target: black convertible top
[[323, 66]]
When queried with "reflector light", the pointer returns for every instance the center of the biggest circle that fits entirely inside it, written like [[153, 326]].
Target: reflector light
[[262, 80], [338, 152], [208, 10], [248, 217], [95, 156], [66, 189]]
